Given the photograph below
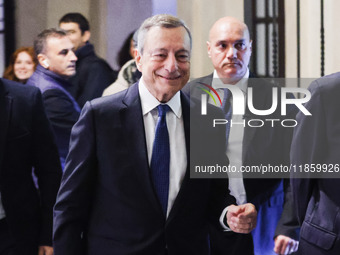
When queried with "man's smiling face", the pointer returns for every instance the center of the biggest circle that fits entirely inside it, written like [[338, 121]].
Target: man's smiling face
[[165, 61]]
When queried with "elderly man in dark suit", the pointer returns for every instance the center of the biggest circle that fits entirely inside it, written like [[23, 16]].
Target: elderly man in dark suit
[[230, 48], [127, 186], [26, 142], [316, 147]]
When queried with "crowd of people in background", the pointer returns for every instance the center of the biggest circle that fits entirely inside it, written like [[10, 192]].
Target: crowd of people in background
[[93, 133]]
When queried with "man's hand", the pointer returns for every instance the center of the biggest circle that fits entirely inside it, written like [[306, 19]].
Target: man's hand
[[242, 218], [284, 245], [45, 250]]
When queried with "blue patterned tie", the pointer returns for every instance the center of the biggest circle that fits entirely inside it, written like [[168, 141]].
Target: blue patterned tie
[[160, 160], [227, 109]]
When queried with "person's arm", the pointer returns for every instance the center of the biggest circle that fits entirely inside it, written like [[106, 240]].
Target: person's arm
[[286, 234], [46, 166], [60, 109], [285, 245], [71, 211], [308, 146], [63, 115], [242, 218], [45, 250]]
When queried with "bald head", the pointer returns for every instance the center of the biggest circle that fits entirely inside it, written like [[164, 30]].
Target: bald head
[[229, 48], [229, 24]]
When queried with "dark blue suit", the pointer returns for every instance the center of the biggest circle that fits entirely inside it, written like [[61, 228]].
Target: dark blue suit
[[317, 141], [107, 204], [26, 141]]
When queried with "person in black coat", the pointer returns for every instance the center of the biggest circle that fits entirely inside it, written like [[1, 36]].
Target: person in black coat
[[26, 142], [93, 74], [315, 182]]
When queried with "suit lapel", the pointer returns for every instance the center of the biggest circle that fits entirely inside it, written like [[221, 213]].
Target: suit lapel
[[248, 136], [133, 124], [196, 84], [261, 98], [5, 110], [248, 132]]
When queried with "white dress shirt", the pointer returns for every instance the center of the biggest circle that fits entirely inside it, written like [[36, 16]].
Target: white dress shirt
[[175, 125], [234, 149]]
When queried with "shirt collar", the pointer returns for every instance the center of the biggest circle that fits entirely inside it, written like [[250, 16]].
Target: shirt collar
[[242, 84], [149, 102]]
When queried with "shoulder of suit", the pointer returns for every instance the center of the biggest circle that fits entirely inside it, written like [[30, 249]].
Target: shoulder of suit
[[190, 86], [204, 79], [109, 101], [265, 84], [92, 61], [16, 88], [327, 83]]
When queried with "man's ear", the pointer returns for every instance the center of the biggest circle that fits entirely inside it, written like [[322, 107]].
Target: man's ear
[[86, 36], [251, 45], [134, 52], [138, 59], [208, 47], [43, 61]]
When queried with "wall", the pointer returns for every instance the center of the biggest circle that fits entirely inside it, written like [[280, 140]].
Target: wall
[[33, 16], [98, 26], [124, 17], [200, 15], [310, 41], [56, 9], [112, 20]]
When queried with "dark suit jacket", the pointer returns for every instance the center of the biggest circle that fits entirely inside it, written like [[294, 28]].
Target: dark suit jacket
[[317, 141], [264, 145], [107, 192], [26, 141]]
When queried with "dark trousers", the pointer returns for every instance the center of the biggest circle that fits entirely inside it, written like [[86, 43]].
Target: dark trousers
[[230, 243], [6, 242], [9, 247]]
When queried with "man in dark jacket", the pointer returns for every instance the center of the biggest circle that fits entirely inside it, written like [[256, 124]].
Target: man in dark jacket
[[93, 73], [26, 142], [229, 48], [315, 183], [57, 62], [112, 200]]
